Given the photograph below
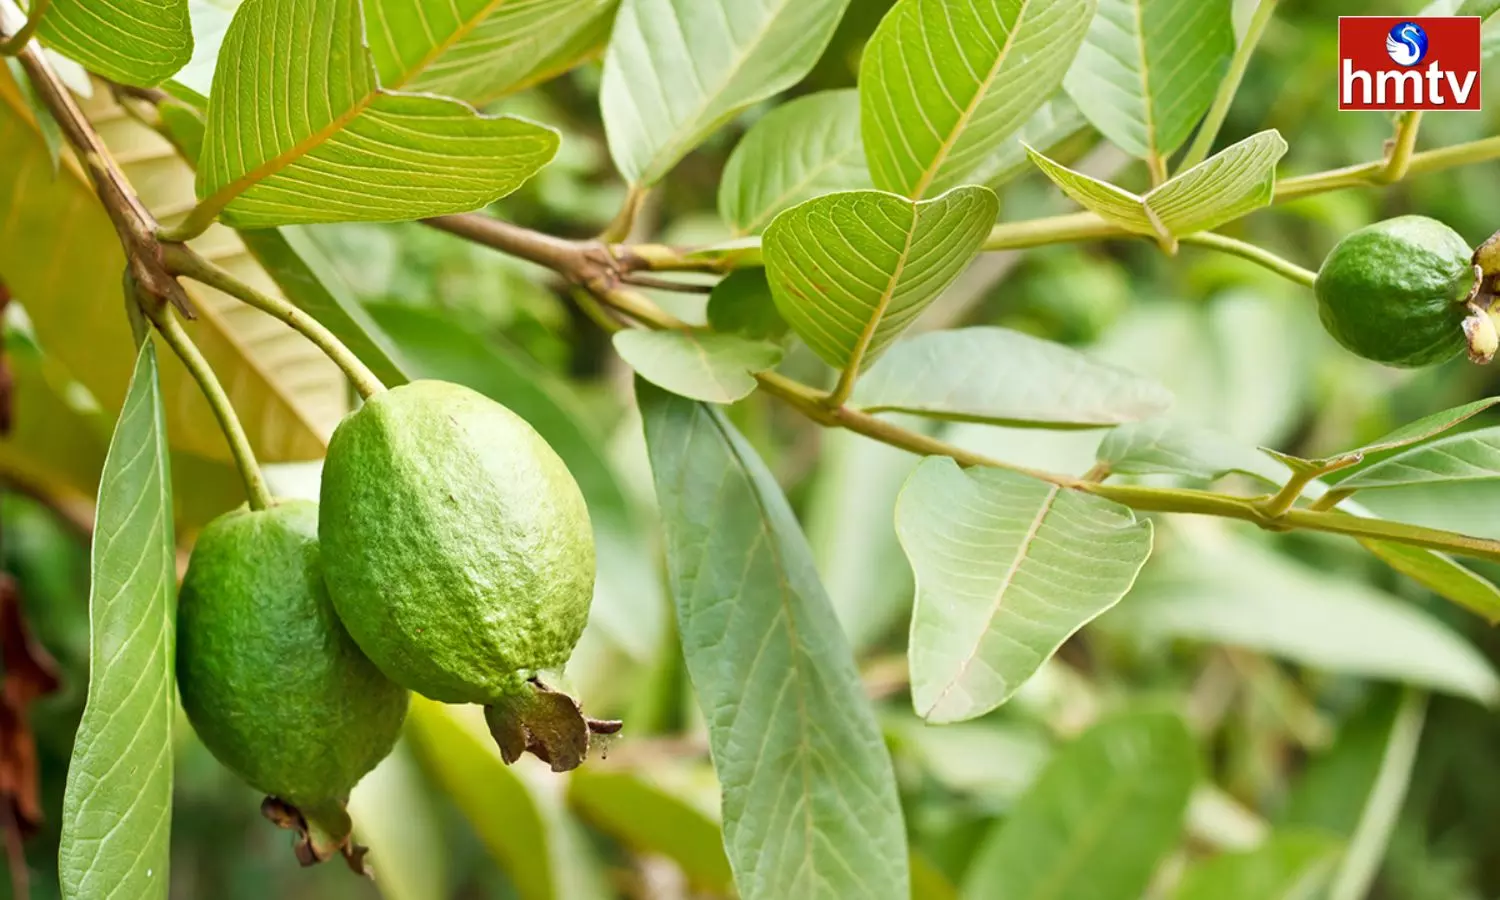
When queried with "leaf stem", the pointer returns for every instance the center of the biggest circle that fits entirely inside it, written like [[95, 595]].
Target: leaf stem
[[624, 221], [213, 391], [1402, 147], [182, 260], [16, 42], [1256, 254], [1209, 130], [199, 219]]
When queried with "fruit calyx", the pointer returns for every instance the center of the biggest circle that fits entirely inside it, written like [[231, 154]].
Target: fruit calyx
[[546, 723], [328, 831]]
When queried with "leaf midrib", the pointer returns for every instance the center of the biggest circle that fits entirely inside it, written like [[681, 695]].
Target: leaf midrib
[[946, 148], [866, 337]]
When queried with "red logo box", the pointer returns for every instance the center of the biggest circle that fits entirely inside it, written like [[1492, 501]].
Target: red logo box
[[1421, 62]]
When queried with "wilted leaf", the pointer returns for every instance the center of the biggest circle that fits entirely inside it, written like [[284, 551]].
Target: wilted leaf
[[1233, 182], [1148, 70], [1008, 568], [810, 806], [850, 271], [1106, 809], [714, 368], [943, 84], [996, 375], [802, 149], [348, 150], [676, 70], [117, 811]]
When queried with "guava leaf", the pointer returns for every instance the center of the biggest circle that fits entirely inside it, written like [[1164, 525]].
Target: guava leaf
[[1008, 568], [1148, 70], [809, 795], [741, 303], [942, 85], [1470, 456], [996, 375], [676, 70], [1100, 817], [850, 271], [117, 809], [315, 138], [802, 149], [138, 42], [1294, 864], [714, 368]]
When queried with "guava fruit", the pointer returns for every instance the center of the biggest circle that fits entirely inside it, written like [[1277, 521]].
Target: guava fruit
[[270, 679], [1398, 292], [458, 552]]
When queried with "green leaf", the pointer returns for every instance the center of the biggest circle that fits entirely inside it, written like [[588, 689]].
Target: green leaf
[[628, 600], [1415, 432], [1233, 182], [850, 271], [46, 126], [741, 303], [1168, 447], [797, 151], [400, 818], [1008, 568], [1245, 596], [342, 148], [809, 805], [676, 70], [61, 258], [1000, 376], [714, 368], [943, 84], [1106, 809], [648, 818], [1148, 70], [211, 20], [1442, 575], [1471, 456], [138, 42], [518, 826], [480, 50], [117, 811], [1055, 122], [1291, 865]]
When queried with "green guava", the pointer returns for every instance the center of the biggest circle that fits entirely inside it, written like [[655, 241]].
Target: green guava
[[458, 551], [1397, 292], [270, 679]]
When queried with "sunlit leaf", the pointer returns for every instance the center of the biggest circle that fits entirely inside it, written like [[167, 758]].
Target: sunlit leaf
[[139, 42], [714, 368], [1106, 809], [986, 374], [1008, 567], [117, 812], [799, 150], [314, 138], [809, 804], [943, 84], [477, 50], [1244, 596], [1148, 70], [850, 271], [676, 70], [1233, 182]]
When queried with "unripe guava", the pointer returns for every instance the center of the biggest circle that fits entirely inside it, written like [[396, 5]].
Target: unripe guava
[[1395, 292], [270, 679], [458, 551]]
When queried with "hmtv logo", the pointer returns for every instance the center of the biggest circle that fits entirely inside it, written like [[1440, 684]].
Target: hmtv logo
[[1394, 63]]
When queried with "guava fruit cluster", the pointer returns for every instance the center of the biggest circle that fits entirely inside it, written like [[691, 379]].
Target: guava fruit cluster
[[1409, 292], [450, 554]]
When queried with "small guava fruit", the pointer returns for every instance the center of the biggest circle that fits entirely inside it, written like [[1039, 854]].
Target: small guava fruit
[[271, 680], [1398, 292], [458, 551]]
